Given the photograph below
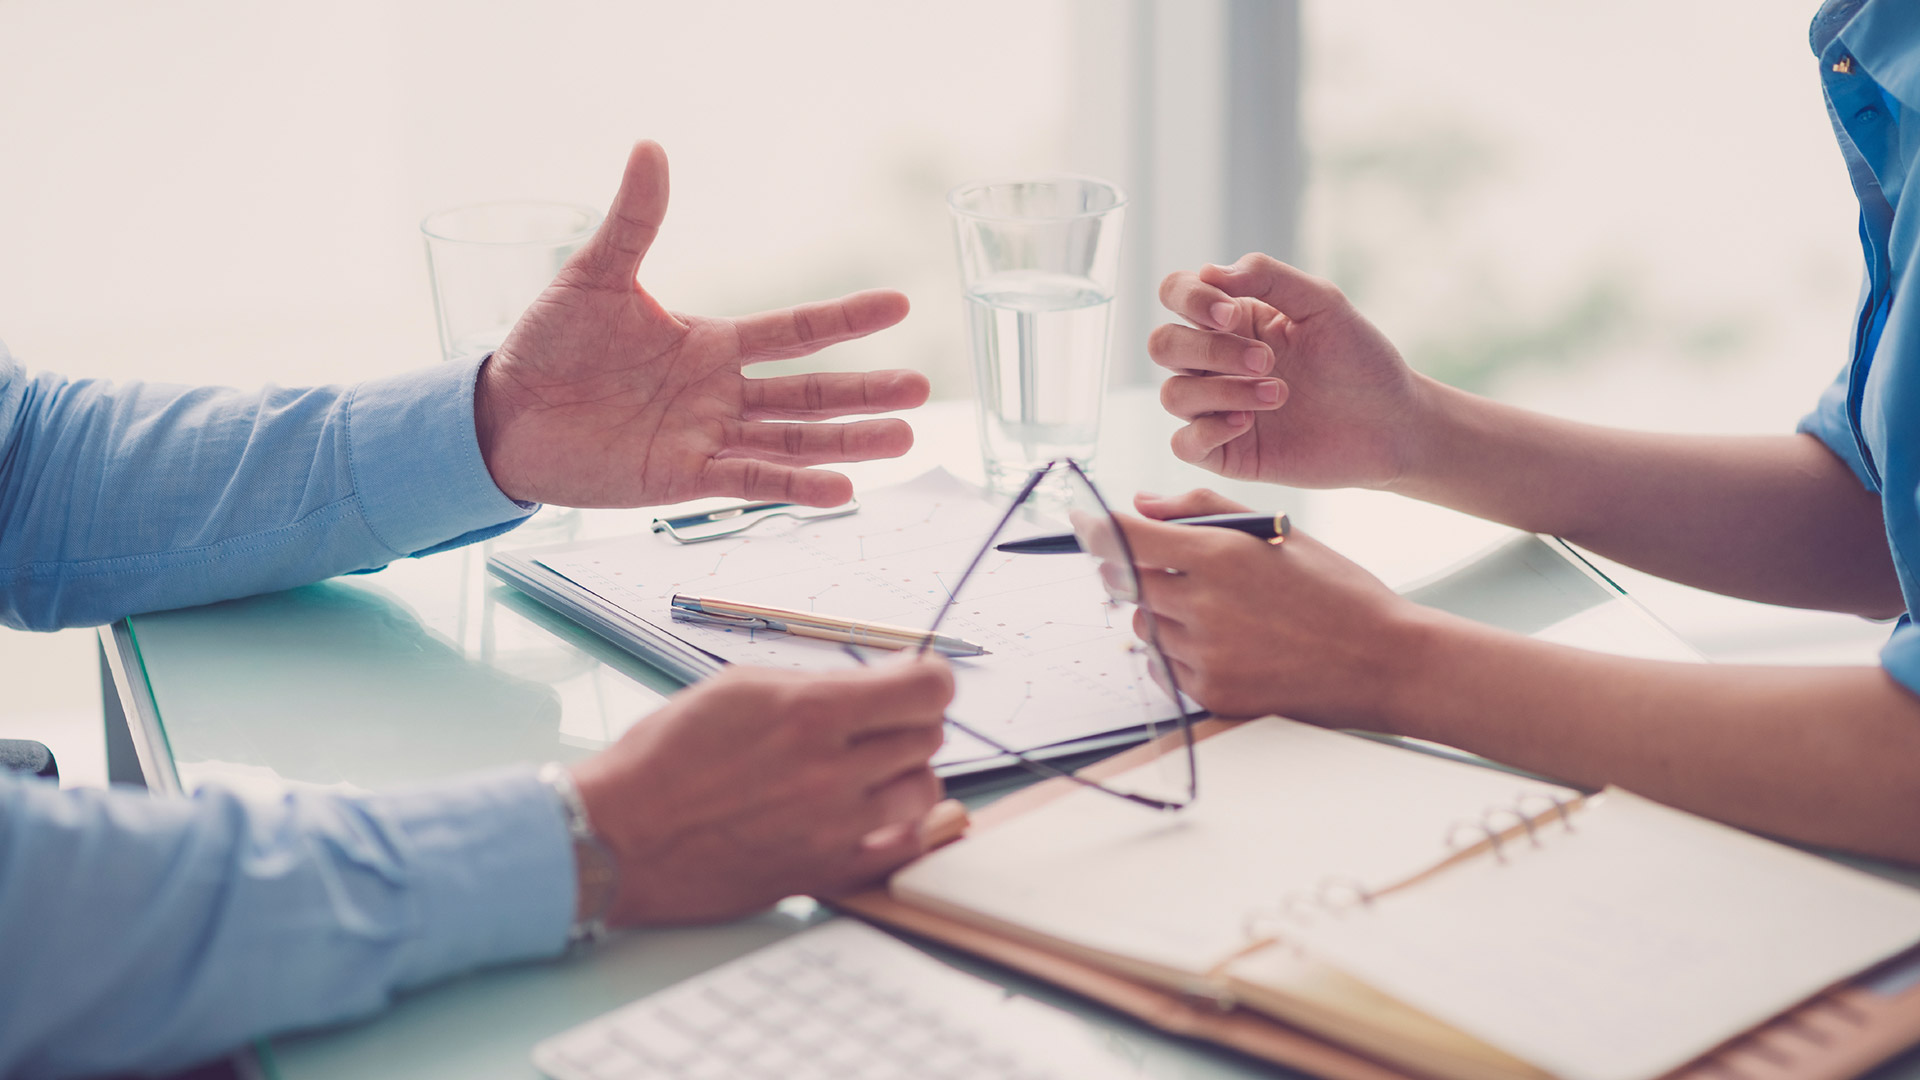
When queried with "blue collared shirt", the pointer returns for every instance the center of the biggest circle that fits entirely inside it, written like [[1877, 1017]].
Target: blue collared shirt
[[146, 933], [1869, 54]]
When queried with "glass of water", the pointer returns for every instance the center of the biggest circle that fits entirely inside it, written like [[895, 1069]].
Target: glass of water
[[489, 261], [1039, 260]]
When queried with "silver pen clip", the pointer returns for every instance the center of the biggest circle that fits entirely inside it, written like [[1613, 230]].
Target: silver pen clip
[[714, 618], [734, 520]]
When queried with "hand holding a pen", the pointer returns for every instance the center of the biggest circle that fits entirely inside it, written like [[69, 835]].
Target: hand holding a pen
[[1253, 627], [599, 396]]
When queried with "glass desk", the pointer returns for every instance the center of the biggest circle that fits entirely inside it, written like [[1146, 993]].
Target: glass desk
[[430, 668]]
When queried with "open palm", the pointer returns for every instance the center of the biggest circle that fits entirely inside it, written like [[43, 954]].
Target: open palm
[[601, 397]]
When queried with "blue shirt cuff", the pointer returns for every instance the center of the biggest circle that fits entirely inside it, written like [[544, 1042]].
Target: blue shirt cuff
[[1901, 655], [492, 872], [1828, 423], [416, 461]]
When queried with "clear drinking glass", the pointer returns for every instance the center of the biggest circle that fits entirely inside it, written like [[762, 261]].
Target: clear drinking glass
[[489, 261], [1039, 260]]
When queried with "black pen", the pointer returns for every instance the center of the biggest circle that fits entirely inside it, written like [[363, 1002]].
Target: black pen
[[1273, 528]]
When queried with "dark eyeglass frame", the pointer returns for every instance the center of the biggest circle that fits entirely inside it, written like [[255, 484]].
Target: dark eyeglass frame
[[1181, 717]]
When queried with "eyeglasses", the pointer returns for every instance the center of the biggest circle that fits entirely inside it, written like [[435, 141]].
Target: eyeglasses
[[1150, 691]]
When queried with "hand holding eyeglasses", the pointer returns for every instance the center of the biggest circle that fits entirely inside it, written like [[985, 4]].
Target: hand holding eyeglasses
[[1253, 629]]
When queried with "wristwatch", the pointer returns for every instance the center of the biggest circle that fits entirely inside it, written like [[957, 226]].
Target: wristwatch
[[598, 872]]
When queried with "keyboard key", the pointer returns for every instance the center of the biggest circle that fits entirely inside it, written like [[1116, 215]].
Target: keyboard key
[[585, 1047], [840, 1001], [645, 1031], [696, 1013]]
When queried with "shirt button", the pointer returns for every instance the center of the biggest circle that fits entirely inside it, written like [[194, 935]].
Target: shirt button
[[1867, 115]]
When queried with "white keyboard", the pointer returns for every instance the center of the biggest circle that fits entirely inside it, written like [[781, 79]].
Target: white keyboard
[[842, 1001]]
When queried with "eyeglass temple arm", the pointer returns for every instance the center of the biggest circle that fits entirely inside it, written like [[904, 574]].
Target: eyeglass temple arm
[[953, 594]]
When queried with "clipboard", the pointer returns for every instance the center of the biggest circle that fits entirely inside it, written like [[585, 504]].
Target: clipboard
[[1835, 1035]]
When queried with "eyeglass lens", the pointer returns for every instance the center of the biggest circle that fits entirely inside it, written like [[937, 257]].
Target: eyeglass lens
[[1140, 682]]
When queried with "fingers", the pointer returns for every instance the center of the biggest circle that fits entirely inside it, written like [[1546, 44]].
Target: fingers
[[1196, 503], [745, 478], [905, 799], [1183, 348], [1293, 292], [1201, 440], [877, 760], [1182, 547], [797, 331], [815, 444], [1190, 397], [612, 256], [881, 853], [908, 691], [821, 397], [1166, 595], [1206, 305]]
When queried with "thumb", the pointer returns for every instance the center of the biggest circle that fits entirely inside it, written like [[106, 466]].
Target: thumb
[[612, 256], [1196, 503]]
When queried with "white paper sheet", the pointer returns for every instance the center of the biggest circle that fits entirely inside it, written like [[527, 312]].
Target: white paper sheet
[[1058, 666], [1625, 948]]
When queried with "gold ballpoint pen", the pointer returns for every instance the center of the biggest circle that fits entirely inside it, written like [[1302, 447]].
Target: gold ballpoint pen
[[711, 611]]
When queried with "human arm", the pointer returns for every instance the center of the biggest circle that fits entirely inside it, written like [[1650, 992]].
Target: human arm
[[125, 498], [118, 498], [1777, 519], [195, 924], [1821, 755]]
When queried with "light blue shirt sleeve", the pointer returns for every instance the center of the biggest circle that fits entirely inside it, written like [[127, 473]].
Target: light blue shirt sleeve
[[118, 499], [143, 933], [140, 933], [1828, 423]]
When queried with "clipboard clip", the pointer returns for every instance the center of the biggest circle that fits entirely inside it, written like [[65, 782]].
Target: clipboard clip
[[734, 520]]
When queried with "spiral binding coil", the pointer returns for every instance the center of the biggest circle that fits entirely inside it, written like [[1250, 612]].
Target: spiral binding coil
[[1495, 838], [1332, 898], [1335, 897]]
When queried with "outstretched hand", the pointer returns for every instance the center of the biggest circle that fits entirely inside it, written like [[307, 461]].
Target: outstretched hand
[[601, 397]]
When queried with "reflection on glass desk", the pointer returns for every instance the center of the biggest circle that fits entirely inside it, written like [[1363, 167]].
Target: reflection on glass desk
[[367, 681]]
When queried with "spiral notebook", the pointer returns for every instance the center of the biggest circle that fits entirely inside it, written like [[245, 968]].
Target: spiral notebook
[[1427, 917]]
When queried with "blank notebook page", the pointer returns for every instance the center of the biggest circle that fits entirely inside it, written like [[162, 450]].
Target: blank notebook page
[[1283, 808], [1625, 948]]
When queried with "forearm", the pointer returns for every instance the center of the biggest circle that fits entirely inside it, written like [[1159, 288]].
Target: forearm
[[1777, 519], [1828, 756], [145, 934], [127, 498]]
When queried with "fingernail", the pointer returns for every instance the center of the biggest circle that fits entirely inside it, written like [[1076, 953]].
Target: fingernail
[[1267, 391], [1150, 496], [1222, 314], [1256, 359], [1239, 419]]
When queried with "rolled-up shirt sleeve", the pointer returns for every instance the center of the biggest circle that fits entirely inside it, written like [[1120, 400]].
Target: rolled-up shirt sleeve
[[153, 933], [1828, 423], [122, 498]]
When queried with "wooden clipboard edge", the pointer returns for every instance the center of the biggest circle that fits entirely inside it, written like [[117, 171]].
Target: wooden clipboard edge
[[1836, 1035]]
